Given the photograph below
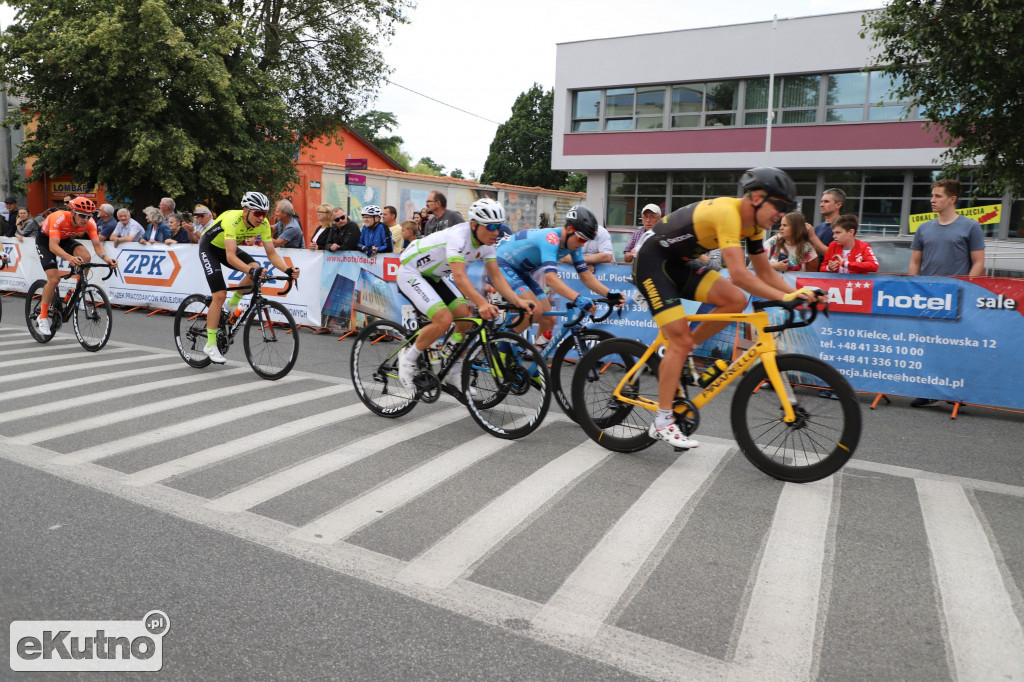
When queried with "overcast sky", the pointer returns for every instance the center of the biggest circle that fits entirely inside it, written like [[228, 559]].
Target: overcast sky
[[479, 56]]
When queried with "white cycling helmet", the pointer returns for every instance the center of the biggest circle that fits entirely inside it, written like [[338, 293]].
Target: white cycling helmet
[[372, 210], [487, 212], [256, 200]]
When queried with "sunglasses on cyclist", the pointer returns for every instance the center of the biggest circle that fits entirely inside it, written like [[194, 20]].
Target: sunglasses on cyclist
[[493, 227], [580, 237], [83, 215], [258, 214]]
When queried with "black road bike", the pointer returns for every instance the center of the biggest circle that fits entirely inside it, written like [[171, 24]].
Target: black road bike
[[270, 337], [86, 305]]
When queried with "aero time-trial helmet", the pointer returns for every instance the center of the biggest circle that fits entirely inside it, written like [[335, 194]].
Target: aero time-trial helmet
[[256, 201], [583, 221], [487, 212], [82, 205], [372, 210], [771, 180]]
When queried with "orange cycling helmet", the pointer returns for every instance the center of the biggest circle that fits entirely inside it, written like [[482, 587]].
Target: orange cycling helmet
[[83, 205]]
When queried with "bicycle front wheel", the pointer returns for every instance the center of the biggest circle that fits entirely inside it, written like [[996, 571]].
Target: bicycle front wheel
[[374, 368], [93, 318], [824, 435], [271, 340], [563, 366], [507, 385], [190, 330], [608, 421], [33, 299]]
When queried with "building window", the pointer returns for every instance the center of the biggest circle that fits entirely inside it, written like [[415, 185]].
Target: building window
[[629, 192], [586, 110], [641, 108], [710, 105], [863, 96]]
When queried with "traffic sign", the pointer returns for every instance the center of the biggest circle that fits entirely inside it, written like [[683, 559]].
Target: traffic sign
[[353, 179], [355, 164]]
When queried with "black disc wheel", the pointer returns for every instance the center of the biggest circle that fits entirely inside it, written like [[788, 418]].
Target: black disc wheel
[[93, 318], [374, 367], [506, 384], [271, 340], [615, 424], [825, 433]]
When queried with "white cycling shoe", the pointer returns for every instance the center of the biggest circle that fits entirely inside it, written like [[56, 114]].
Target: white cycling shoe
[[673, 436], [213, 353], [406, 371], [454, 379], [44, 325]]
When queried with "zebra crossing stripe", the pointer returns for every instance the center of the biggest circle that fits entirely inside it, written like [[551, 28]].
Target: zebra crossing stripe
[[374, 505], [250, 442], [74, 367], [583, 602], [50, 356], [444, 562], [778, 637], [114, 393], [301, 474], [188, 427], [985, 636]]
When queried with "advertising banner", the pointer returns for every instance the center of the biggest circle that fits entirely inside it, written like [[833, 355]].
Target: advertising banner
[[984, 215], [161, 276]]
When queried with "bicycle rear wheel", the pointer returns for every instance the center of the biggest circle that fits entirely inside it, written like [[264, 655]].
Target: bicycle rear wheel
[[33, 300], [824, 435], [614, 424], [563, 366], [374, 368], [93, 318], [507, 385], [271, 340], [190, 330]]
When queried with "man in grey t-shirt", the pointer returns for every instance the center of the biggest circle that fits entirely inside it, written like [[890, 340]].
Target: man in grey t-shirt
[[947, 245], [441, 218], [287, 230]]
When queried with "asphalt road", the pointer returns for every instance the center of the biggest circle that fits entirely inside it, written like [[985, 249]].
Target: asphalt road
[[288, 532]]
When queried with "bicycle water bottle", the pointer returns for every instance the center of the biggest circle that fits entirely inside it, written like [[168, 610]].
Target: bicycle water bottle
[[449, 347], [712, 373]]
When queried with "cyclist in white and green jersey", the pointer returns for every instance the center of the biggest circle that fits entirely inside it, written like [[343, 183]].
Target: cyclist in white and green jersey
[[424, 279]]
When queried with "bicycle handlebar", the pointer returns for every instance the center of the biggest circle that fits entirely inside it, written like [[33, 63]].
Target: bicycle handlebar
[[520, 313], [86, 266], [808, 312], [582, 313]]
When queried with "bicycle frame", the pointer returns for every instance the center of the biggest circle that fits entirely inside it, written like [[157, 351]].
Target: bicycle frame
[[763, 348], [254, 302]]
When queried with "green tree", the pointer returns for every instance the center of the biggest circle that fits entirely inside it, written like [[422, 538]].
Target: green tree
[[427, 166], [960, 63], [576, 182], [520, 153], [457, 174], [373, 125], [195, 99]]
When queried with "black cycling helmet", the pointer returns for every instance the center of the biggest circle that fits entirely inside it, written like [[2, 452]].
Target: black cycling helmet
[[771, 180], [583, 221]]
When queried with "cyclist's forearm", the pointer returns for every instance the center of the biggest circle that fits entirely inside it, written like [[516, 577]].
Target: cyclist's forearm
[[593, 283]]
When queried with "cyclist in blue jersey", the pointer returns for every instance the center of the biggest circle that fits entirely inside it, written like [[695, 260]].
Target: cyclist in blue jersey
[[531, 252]]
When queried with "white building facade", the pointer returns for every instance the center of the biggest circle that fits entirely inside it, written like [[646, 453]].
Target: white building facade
[[671, 118]]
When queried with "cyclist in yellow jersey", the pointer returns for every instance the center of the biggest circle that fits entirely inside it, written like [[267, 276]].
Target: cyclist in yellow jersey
[[219, 246], [666, 270]]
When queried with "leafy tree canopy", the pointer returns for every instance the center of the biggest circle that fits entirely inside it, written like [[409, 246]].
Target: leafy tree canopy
[[961, 63], [427, 166], [373, 125], [520, 153], [194, 99]]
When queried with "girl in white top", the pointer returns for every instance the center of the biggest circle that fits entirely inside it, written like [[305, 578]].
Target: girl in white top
[[790, 249]]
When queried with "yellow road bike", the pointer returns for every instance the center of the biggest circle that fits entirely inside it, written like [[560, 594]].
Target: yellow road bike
[[795, 417]]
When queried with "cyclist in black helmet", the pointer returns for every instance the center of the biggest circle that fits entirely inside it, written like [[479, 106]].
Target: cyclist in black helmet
[[666, 271]]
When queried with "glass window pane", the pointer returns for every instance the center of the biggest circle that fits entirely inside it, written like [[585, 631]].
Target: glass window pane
[[800, 91], [890, 113], [719, 120], [722, 96], [648, 122], [618, 102], [688, 121], [650, 100], [622, 183], [586, 103], [756, 96], [723, 176], [687, 98], [618, 124], [584, 126], [799, 176], [883, 191], [653, 176], [619, 211], [651, 188], [756, 119], [927, 176], [881, 87], [845, 180], [722, 190], [687, 189], [799, 116], [687, 176], [853, 114], [881, 211], [877, 176], [847, 88]]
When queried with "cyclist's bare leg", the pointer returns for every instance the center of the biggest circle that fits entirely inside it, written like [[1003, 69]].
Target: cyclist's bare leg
[[727, 298], [53, 275], [678, 346], [217, 299], [439, 324]]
